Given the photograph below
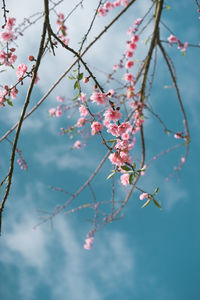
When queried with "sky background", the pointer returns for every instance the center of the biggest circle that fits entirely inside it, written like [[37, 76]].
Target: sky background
[[147, 254]]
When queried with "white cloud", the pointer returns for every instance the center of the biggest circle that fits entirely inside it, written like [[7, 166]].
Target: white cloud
[[59, 260]]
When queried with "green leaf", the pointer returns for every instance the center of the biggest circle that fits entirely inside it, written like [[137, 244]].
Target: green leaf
[[156, 190], [71, 77], [167, 7], [125, 168], [76, 97], [9, 102], [76, 85], [146, 203], [134, 166], [111, 175], [111, 141], [80, 76], [131, 178], [157, 204]]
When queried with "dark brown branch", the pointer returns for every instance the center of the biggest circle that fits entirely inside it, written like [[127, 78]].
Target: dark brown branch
[[12, 158]]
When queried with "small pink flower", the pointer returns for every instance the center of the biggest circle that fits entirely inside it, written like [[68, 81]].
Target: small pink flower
[[111, 93], [135, 38], [60, 99], [124, 2], [124, 179], [130, 30], [7, 36], [128, 77], [83, 111], [143, 196], [137, 22], [10, 23], [129, 54], [61, 16], [172, 39], [116, 3], [82, 97], [113, 129], [81, 122], [88, 243], [58, 112], [102, 12], [99, 98], [132, 46], [21, 70], [129, 64], [52, 112], [183, 160], [112, 115], [96, 127], [115, 67], [85, 80], [77, 144], [13, 92], [108, 5]]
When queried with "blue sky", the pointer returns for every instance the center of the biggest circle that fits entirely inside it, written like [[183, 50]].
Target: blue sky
[[147, 254]]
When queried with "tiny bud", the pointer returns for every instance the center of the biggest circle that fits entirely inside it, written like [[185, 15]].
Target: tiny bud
[[5, 87], [31, 58], [12, 49], [85, 79]]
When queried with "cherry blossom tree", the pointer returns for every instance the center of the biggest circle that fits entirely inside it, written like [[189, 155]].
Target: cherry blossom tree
[[112, 113]]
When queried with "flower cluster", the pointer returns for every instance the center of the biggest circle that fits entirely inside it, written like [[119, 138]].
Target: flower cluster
[[108, 6], [88, 243], [172, 39], [62, 28]]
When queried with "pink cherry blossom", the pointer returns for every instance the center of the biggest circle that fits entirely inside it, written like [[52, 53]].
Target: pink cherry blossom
[[58, 112], [102, 12], [113, 129], [143, 196], [83, 111], [123, 127], [124, 2], [88, 243], [99, 98], [82, 97], [112, 115], [10, 23], [52, 112], [117, 3], [132, 46], [108, 5], [21, 70], [81, 122], [115, 67], [135, 38], [129, 64], [129, 54], [111, 93], [7, 36], [137, 22], [96, 127], [77, 144], [183, 160], [60, 99], [172, 39], [125, 179], [61, 16], [128, 77], [122, 145], [13, 92]]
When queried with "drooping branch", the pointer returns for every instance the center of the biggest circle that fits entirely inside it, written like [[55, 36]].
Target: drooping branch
[[27, 100], [69, 69]]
